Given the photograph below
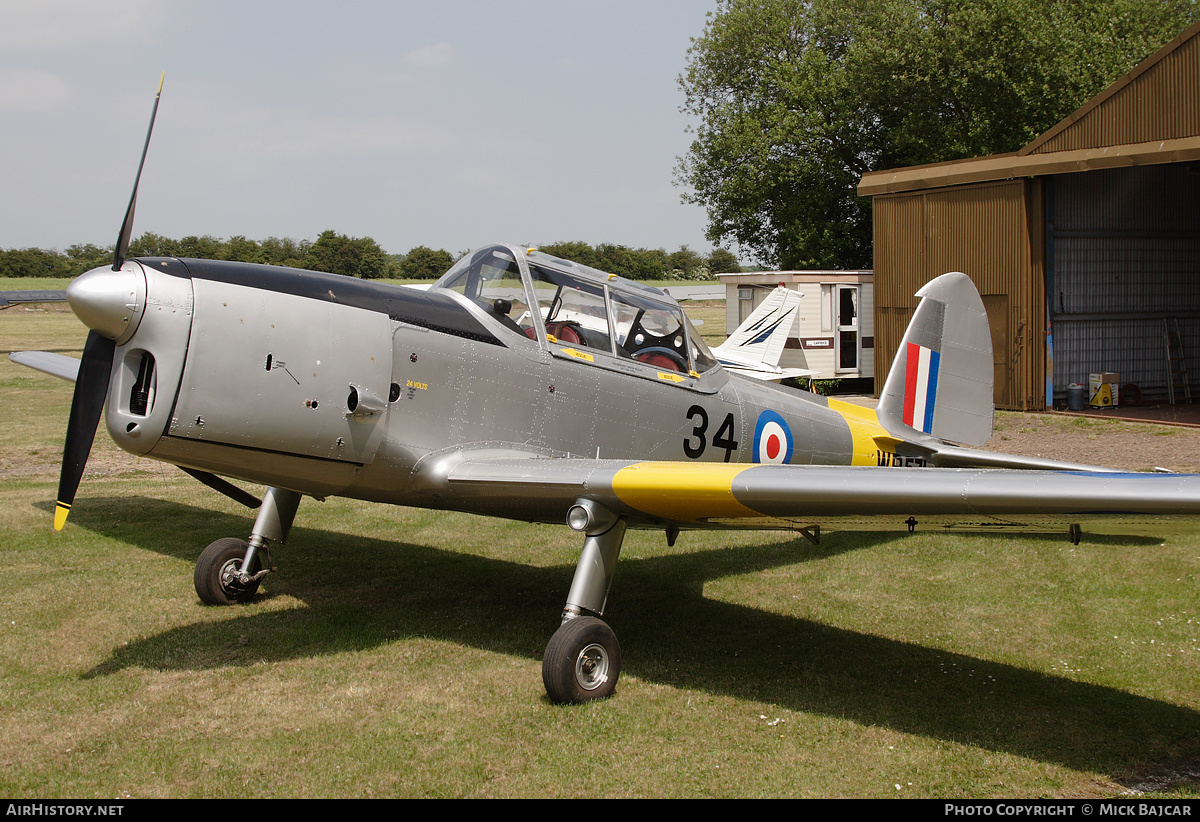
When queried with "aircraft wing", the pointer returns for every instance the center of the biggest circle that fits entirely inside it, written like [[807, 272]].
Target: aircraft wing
[[56, 365], [719, 495]]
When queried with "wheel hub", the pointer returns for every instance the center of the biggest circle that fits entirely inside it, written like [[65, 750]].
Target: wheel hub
[[231, 577], [591, 667]]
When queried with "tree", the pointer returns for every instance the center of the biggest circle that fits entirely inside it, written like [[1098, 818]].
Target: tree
[[576, 251], [648, 264], [722, 261], [201, 248], [285, 251], [351, 257], [87, 256], [686, 264], [153, 245], [796, 99], [241, 250], [614, 259], [423, 263], [33, 262]]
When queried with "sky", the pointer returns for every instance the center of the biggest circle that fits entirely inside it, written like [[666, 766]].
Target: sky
[[452, 124]]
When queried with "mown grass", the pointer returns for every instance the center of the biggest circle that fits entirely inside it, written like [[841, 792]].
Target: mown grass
[[34, 283], [396, 652]]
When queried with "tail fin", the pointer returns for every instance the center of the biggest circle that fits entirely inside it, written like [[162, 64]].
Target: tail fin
[[759, 341], [941, 378]]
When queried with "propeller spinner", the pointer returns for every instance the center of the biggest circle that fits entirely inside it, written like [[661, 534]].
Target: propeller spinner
[[109, 302]]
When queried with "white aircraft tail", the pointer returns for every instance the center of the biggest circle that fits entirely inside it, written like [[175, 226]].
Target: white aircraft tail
[[941, 380], [756, 346]]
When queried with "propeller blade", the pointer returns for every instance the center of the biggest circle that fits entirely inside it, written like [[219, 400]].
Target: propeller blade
[[91, 387], [127, 225]]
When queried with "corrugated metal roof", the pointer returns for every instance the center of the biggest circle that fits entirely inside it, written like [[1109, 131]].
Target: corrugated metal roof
[[1158, 100]]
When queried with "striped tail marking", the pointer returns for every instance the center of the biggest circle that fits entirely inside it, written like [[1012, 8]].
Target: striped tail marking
[[920, 387]]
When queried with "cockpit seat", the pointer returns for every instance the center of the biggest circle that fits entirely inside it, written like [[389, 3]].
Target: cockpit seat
[[660, 358], [566, 332]]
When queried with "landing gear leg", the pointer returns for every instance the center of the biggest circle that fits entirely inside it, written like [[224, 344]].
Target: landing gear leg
[[230, 570], [583, 660]]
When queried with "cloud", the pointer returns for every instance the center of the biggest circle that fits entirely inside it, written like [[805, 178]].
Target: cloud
[[25, 90], [438, 54], [32, 26]]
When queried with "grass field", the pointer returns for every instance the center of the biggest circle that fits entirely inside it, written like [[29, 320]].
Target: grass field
[[396, 652], [34, 283]]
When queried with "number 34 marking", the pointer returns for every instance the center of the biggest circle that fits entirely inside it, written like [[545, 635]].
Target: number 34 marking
[[695, 445]]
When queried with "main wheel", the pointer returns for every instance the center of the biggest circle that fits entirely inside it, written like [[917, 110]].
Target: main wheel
[[582, 661], [217, 573]]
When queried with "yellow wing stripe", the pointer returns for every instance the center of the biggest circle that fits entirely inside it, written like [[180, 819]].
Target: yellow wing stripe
[[864, 431], [681, 491]]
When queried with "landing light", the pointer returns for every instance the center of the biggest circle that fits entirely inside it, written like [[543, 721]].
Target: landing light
[[589, 517]]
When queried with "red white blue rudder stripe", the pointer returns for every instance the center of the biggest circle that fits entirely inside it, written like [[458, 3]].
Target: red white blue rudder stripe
[[920, 387]]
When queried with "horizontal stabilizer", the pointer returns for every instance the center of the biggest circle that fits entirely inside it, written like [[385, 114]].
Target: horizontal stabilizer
[[8, 298], [56, 365], [762, 373]]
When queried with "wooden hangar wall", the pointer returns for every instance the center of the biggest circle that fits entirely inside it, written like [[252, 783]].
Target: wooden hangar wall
[[1085, 244], [1123, 246], [992, 233]]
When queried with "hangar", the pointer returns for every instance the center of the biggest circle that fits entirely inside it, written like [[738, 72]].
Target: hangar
[[1085, 244]]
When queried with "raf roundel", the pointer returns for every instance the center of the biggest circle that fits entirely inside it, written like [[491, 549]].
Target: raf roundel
[[772, 439]]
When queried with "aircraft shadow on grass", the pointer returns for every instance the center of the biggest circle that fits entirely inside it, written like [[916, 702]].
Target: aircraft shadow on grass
[[671, 633]]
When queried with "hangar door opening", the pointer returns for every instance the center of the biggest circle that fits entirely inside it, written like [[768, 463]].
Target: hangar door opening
[[1125, 270]]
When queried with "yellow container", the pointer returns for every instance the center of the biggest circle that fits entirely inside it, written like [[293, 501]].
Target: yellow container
[[1103, 389]]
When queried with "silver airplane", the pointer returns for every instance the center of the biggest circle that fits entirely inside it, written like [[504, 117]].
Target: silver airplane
[[533, 388]]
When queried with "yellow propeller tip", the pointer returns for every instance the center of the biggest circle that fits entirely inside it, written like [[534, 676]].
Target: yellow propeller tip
[[60, 515]]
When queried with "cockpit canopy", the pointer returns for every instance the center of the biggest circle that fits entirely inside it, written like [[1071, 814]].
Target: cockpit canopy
[[561, 303]]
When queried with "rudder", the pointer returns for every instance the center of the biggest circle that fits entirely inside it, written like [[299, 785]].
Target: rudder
[[941, 379]]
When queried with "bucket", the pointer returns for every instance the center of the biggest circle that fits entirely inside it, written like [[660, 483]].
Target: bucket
[[1075, 397]]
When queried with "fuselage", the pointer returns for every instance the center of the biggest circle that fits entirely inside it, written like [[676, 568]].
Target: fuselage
[[329, 385]]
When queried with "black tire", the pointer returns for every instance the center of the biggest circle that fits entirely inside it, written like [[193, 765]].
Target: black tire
[[214, 568], [582, 661]]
